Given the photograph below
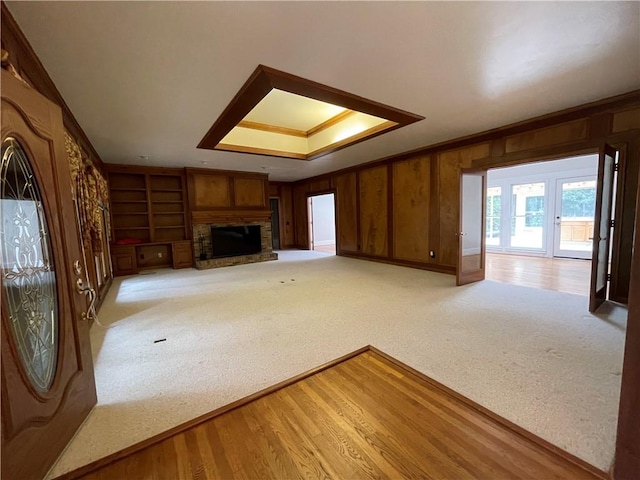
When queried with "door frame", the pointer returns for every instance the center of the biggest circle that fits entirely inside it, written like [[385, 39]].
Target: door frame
[[318, 193]]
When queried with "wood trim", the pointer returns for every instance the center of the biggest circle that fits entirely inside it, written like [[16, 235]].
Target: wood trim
[[272, 129], [31, 66], [347, 142], [141, 169], [213, 216], [616, 236], [432, 267], [626, 100], [259, 151], [264, 79], [229, 173], [496, 418], [369, 133], [114, 457], [330, 122]]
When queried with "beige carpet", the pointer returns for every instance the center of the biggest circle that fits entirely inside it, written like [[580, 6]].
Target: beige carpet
[[535, 357]]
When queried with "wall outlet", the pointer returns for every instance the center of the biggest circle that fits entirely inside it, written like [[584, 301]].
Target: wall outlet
[[159, 254], [432, 254]]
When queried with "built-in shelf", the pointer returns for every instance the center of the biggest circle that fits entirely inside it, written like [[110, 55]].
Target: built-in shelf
[[163, 218]]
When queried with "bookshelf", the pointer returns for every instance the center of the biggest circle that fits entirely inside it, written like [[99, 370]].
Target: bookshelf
[[149, 218]]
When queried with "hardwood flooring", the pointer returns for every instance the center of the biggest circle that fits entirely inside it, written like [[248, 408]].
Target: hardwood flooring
[[560, 274], [365, 417], [325, 248]]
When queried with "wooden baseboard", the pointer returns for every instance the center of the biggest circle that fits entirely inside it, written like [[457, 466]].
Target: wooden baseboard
[[432, 267]]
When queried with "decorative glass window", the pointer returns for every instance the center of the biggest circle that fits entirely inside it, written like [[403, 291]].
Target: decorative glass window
[[28, 275]]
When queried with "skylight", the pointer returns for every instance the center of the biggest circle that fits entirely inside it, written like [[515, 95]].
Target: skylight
[[282, 115]]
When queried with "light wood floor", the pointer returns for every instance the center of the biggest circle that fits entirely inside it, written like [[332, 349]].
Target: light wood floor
[[365, 417], [325, 248], [560, 274]]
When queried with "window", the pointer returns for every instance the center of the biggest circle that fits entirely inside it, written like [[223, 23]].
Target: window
[[494, 210], [534, 211], [527, 215]]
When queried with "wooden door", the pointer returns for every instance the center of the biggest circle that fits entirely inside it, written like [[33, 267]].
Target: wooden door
[[471, 234], [47, 372], [602, 228], [312, 244]]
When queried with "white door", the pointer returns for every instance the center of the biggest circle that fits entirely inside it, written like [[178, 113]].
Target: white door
[[574, 217]]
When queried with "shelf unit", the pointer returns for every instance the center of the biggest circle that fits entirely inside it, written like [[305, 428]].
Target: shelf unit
[[149, 205]]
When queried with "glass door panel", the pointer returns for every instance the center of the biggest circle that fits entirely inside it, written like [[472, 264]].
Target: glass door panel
[[527, 215], [574, 219], [602, 228], [494, 212], [471, 249]]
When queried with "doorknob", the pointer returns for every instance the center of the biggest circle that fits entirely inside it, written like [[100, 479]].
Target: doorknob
[[77, 267], [87, 290]]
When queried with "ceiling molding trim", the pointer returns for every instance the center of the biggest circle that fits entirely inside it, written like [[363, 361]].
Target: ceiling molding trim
[[331, 122], [273, 129], [264, 79]]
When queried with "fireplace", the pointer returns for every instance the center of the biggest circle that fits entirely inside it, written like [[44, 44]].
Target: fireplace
[[235, 240], [218, 243]]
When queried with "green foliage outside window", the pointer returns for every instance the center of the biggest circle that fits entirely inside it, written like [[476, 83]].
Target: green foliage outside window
[[578, 202], [534, 211]]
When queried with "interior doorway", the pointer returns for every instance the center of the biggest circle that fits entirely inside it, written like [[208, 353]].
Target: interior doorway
[[322, 223], [547, 222]]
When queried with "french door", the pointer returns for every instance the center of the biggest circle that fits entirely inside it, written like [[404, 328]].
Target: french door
[[602, 228], [47, 371], [471, 234], [574, 217]]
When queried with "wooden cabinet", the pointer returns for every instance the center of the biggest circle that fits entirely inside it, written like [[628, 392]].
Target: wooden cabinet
[[182, 254], [124, 260], [148, 207]]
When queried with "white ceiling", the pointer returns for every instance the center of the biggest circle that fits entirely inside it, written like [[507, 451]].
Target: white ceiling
[[149, 78]]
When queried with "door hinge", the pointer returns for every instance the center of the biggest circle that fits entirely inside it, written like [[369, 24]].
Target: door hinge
[[616, 166], [608, 277], [612, 223]]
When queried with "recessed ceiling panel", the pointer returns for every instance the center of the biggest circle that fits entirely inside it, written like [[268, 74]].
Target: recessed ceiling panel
[[279, 114], [284, 109]]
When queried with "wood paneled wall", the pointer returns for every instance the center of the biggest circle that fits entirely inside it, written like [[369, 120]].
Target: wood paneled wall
[[411, 195], [399, 209], [224, 195], [284, 193]]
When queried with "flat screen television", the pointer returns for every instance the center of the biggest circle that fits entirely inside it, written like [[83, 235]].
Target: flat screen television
[[236, 240]]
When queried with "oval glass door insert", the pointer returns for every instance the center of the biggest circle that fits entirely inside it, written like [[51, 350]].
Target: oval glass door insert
[[28, 275]]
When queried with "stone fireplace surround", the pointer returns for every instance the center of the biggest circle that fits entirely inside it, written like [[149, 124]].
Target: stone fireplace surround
[[204, 229]]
